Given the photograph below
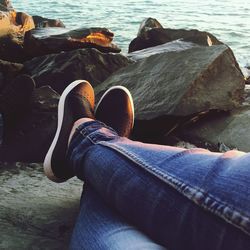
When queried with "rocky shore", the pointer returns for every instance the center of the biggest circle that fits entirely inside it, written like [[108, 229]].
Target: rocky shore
[[188, 90]]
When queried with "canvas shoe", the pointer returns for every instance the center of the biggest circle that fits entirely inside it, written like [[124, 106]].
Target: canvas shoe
[[116, 109], [77, 101]]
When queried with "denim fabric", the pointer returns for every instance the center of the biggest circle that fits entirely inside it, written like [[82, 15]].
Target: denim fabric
[[1, 129], [99, 227], [182, 199]]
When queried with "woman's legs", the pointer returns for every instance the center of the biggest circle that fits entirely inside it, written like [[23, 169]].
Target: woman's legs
[[99, 227], [191, 199]]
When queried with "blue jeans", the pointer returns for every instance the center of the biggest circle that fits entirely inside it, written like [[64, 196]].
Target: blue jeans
[[99, 227], [179, 198]]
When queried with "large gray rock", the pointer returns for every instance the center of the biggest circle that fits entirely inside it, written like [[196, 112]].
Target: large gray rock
[[34, 212], [156, 36], [176, 45], [180, 84], [29, 139], [230, 129], [59, 70], [99, 38]]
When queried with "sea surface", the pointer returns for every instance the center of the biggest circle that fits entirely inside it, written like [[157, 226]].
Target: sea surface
[[228, 20]]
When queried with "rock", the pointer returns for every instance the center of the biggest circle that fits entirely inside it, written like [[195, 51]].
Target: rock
[[221, 132], [20, 47], [148, 24], [9, 71], [13, 27], [247, 80], [246, 72], [4, 24], [59, 70], [176, 45], [99, 38], [5, 5], [183, 144], [1, 80], [11, 48], [45, 99], [180, 84], [157, 36], [36, 213], [41, 22], [29, 139]]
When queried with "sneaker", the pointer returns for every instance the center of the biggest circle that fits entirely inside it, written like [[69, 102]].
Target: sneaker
[[15, 99], [77, 101], [116, 109]]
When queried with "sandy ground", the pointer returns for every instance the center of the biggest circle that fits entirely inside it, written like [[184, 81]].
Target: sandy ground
[[34, 212]]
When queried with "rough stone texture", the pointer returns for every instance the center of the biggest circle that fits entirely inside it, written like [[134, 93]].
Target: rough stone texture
[[41, 22], [182, 83], [155, 36], [59, 70], [16, 46], [29, 139], [148, 24], [171, 86], [246, 73], [247, 80], [34, 212], [9, 70], [5, 5], [35, 45], [4, 23], [230, 129], [11, 48], [176, 45]]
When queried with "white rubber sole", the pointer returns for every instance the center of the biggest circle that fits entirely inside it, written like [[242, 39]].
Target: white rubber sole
[[47, 161], [127, 92]]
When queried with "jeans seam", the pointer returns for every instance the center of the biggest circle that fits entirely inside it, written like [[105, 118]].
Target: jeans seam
[[83, 133], [196, 195]]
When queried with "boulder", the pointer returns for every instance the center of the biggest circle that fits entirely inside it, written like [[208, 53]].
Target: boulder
[[36, 213], [17, 46], [148, 24], [180, 84], [59, 70], [221, 131], [5, 24], [11, 48], [246, 72], [176, 45], [156, 36], [247, 80], [99, 38], [9, 71], [5, 5], [41, 22], [228, 130], [29, 139]]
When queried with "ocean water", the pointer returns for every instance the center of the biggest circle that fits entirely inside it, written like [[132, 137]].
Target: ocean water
[[228, 20]]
